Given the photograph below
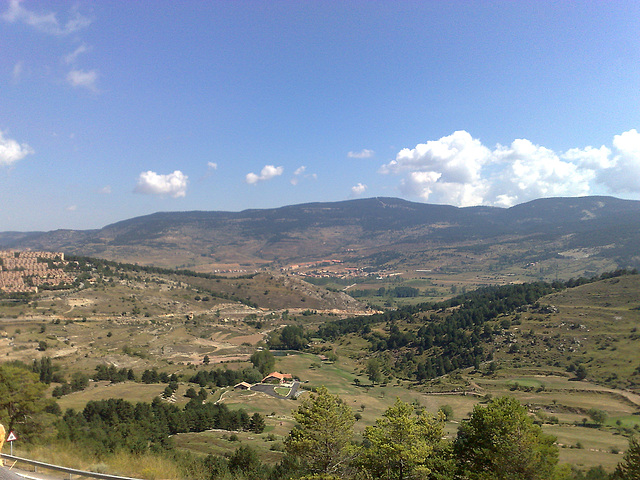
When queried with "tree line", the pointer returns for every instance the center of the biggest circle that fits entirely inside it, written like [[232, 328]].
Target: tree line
[[450, 334], [106, 426]]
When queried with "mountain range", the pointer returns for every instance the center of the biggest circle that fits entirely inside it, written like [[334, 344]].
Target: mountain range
[[596, 230]]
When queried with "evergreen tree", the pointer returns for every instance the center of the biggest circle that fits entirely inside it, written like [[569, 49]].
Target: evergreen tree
[[257, 423], [373, 371], [323, 434], [629, 468], [401, 442], [246, 462], [500, 442], [264, 361], [21, 395]]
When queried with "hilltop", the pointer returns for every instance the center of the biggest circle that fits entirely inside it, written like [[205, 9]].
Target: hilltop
[[558, 236]]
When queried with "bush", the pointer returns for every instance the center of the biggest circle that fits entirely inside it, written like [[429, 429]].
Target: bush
[[447, 411]]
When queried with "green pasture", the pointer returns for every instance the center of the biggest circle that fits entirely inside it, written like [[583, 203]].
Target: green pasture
[[130, 391], [219, 442], [587, 447]]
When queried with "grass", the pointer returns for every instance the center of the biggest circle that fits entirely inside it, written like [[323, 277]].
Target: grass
[[283, 391], [595, 445], [130, 391], [169, 341], [147, 466]]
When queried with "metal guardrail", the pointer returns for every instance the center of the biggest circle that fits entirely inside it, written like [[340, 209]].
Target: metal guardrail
[[70, 471]]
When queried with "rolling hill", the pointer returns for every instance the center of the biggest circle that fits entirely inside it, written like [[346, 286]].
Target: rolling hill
[[599, 233]]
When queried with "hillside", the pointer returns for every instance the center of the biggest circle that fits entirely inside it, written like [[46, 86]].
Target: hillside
[[562, 236], [590, 326], [126, 322]]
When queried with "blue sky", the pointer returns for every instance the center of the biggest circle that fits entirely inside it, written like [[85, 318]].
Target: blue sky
[[110, 110]]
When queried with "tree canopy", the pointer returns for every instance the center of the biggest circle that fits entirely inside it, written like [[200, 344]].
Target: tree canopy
[[629, 467], [323, 434], [401, 442], [264, 361], [21, 395], [500, 442]]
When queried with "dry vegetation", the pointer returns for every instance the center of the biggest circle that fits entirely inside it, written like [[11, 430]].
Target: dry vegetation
[[142, 321]]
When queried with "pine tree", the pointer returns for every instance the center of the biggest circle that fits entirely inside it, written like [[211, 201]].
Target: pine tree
[[629, 468], [256, 423], [500, 442], [401, 442], [323, 433]]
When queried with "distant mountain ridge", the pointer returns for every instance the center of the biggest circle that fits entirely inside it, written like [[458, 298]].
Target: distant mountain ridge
[[361, 227]]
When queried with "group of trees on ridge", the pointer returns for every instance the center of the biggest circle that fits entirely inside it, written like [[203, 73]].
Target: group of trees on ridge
[[446, 335]]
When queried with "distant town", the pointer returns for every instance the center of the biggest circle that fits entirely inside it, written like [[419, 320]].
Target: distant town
[[24, 272]]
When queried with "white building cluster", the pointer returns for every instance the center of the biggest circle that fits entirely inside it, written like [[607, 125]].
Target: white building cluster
[[25, 271]]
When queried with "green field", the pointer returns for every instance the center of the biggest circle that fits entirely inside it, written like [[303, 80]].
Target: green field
[[594, 325]]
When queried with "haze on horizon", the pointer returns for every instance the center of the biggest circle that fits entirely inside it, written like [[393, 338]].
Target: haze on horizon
[[115, 110]]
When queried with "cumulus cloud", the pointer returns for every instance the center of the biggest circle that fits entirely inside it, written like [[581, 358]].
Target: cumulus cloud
[[12, 151], [152, 183], [106, 190], [267, 173], [358, 189], [460, 170], [439, 168], [624, 174], [71, 208], [83, 79], [589, 157], [212, 165], [530, 171], [365, 153], [45, 22]]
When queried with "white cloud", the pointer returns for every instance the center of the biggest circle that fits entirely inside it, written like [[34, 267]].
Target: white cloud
[[71, 58], [18, 70], [358, 189], [212, 165], [589, 157], [71, 208], [45, 22], [83, 79], [299, 173], [365, 153], [173, 184], [624, 174], [11, 151], [436, 167], [106, 190], [267, 173], [530, 171], [460, 170]]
